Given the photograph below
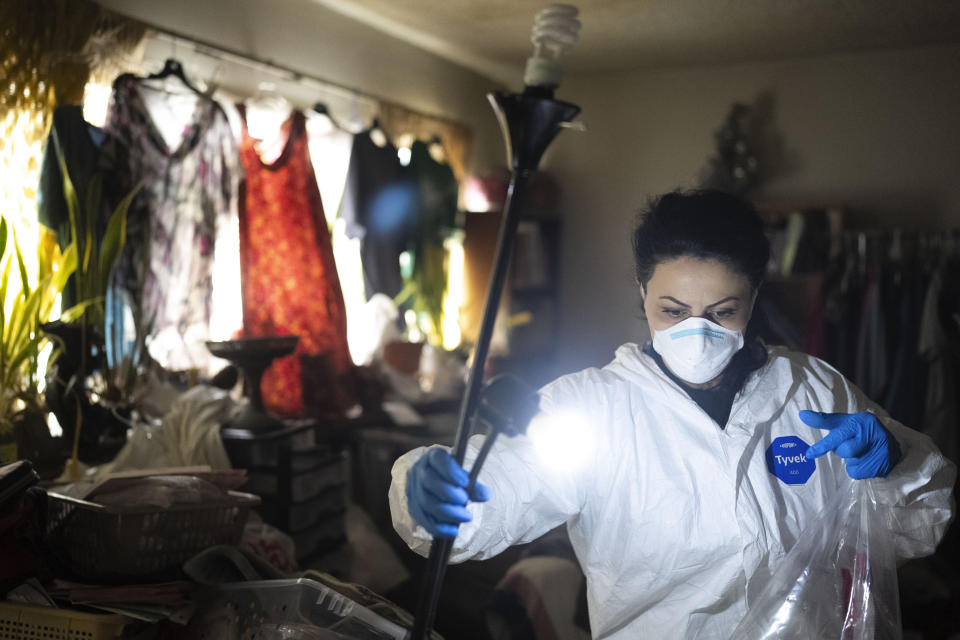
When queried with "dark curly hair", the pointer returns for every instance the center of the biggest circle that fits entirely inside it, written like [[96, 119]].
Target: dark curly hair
[[705, 224]]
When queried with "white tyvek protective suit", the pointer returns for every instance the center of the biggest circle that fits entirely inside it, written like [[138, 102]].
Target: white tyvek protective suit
[[677, 523]]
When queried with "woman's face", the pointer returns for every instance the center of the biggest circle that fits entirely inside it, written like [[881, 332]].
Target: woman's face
[[686, 287]]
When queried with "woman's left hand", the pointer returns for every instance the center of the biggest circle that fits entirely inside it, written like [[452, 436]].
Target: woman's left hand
[[869, 450]]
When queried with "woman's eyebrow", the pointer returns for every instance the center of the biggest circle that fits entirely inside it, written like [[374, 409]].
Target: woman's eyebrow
[[719, 302], [674, 300]]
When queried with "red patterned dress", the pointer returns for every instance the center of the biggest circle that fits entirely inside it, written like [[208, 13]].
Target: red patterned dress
[[289, 279]]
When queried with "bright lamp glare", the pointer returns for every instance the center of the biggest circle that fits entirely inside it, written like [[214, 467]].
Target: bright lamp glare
[[562, 440]]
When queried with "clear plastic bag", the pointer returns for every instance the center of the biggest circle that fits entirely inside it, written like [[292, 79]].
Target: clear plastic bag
[[838, 582]]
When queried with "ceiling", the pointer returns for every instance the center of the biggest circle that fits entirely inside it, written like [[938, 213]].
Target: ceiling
[[492, 36]]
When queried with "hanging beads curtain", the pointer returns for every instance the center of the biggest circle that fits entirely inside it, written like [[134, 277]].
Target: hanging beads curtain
[[47, 51]]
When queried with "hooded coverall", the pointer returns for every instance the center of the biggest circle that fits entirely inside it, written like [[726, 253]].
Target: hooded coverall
[[677, 523]]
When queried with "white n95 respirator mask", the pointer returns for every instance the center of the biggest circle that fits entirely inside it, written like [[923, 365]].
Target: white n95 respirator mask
[[697, 350]]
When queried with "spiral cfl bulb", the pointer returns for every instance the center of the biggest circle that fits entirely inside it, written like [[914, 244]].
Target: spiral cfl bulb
[[555, 31]]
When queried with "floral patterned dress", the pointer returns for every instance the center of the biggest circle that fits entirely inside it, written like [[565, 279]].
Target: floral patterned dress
[[187, 194]]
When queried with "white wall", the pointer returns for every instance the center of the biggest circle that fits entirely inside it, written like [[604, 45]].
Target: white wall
[[877, 131], [305, 36]]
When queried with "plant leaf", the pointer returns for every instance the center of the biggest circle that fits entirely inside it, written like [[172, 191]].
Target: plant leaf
[[77, 310], [21, 331], [94, 192], [29, 347], [24, 282], [3, 235], [87, 251], [3, 297], [68, 264], [114, 239], [48, 252], [14, 321], [408, 290], [4, 281], [3, 326], [69, 193], [68, 387]]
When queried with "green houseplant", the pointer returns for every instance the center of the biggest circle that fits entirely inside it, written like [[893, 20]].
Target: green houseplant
[[96, 255], [85, 389], [26, 313], [23, 309]]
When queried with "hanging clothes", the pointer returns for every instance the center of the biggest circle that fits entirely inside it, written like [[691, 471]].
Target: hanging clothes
[[882, 320], [905, 398], [941, 410], [437, 187], [187, 191], [844, 303], [436, 211], [871, 357], [330, 149], [79, 142], [816, 327], [379, 207], [290, 281]]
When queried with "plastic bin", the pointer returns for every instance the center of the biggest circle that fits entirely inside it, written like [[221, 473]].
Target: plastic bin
[[26, 622], [108, 543], [305, 485], [297, 516], [296, 461], [248, 449], [245, 611]]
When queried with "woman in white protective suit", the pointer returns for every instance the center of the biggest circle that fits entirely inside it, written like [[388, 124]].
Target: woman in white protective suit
[[701, 455]]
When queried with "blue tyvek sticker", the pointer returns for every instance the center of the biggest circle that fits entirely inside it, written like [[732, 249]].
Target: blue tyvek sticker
[[786, 460]]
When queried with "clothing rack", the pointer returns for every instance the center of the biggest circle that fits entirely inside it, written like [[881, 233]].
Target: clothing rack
[[871, 246], [280, 71], [224, 54], [354, 110], [877, 307]]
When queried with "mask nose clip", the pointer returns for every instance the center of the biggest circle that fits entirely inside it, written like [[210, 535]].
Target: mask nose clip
[[703, 358]]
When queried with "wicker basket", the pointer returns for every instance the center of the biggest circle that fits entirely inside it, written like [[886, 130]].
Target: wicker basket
[[105, 543], [25, 622]]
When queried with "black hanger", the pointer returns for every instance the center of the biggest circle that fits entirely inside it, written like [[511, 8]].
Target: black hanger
[[375, 129], [173, 68], [322, 109]]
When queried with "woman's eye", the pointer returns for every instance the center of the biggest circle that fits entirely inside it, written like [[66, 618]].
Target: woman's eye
[[724, 313], [674, 313]]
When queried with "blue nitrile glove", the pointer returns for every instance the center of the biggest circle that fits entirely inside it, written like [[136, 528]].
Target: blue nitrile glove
[[437, 493], [869, 450]]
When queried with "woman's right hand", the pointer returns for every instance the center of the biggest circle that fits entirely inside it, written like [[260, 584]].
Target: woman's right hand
[[437, 493]]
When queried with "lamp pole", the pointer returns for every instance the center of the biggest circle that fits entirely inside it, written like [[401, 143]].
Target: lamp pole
[[529, 121]]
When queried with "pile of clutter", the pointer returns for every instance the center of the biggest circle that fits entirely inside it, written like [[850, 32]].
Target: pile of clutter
[[164, 554]]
